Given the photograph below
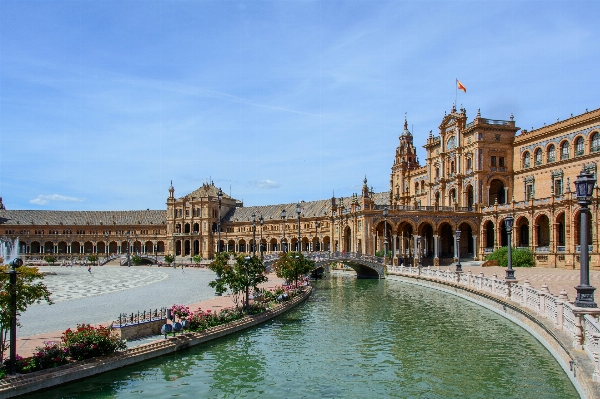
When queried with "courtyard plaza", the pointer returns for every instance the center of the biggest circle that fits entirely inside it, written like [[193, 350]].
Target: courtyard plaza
[[99, 297]]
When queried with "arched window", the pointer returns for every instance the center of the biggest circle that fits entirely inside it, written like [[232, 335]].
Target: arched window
[[526, 160], [579, 146], [596, 142], [551, 153], [538, 157], [469, 163], [564, 150], [422, 186], [417, 187], [437, 172]]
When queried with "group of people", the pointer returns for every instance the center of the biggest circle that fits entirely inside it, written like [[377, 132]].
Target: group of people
[[70, 264]]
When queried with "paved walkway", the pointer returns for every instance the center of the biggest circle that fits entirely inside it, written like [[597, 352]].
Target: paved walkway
[[99, 297]]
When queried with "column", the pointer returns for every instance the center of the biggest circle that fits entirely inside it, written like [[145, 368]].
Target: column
[[506, 195], [394, 245], [435, 246], [454, 244], [474, 246]]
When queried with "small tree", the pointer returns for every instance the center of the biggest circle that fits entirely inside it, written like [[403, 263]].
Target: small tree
[[238, 276], [29, 289], [197, 259], [291, 265], [169, 259], [92, 259], [136, 259], [51, 259]]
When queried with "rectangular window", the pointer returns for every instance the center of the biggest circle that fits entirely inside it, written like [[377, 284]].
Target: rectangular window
[[529, 191], [493, 161], [558, 189], [501, 162]]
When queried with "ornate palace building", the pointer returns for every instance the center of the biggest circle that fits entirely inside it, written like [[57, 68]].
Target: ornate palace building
[[476, 173]]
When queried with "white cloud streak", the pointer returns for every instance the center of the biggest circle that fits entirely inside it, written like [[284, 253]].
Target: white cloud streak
[[43, 199]]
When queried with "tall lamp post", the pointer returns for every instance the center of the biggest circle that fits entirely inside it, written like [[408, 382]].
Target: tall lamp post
[[262, 221], [316, 247], [585, 292], [419, 250], [220, 197], [299, 211], [246, 260], [283, 243], [155, 249], [128, 250], [14, 264], [385, 241], [508, 224], [106, 235], [458, 265], [253, 234]]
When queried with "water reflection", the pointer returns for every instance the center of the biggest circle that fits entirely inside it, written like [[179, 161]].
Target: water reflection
[[353, 338]]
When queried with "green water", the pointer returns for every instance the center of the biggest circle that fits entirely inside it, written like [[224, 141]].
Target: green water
[[352, 339]]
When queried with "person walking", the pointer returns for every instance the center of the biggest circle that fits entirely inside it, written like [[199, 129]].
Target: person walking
[[90, 269]]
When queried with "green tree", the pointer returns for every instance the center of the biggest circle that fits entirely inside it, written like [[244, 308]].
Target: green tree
[[197, 259], [169, 259], [237, 274], [92, 259], [136, 260], [50, 259], [29, 289], [292, 265]]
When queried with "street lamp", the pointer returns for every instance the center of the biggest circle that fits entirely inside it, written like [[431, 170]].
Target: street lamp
[[283, 243], [106, 235], [247, 259], [316, 247], [385, 241], [14, 264], [155, 249], [458, 266], [262, 221], [418, 250], [584, 187], [128, 255], [299, 211], [220, 197], [508, 224], [253, 234], [135, 251]]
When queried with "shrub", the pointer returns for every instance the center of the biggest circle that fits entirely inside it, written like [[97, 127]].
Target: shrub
[[521, 257], [88, 341], [52, 354]]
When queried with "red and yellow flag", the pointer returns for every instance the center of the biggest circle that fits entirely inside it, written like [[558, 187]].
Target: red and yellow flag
[[460, 86]]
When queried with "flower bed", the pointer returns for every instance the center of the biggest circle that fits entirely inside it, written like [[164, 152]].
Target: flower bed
[[84, 342]]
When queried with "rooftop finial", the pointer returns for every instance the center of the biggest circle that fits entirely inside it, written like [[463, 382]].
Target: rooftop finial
[[405, 122], [478, 112]]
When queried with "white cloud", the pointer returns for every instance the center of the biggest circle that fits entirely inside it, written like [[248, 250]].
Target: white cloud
[[267, 184], [42, 199]]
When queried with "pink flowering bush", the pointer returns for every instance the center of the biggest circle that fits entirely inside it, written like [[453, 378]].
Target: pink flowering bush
[[201, 320], [180, 311], [88, 341]]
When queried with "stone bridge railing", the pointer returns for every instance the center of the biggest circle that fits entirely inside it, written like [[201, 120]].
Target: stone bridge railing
[[580, 324], [325, 258]]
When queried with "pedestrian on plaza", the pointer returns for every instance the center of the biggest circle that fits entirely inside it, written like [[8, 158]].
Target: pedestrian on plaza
[[90, 269], [400, 261], [182, 271]]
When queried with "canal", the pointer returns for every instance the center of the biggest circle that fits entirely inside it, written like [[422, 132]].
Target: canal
[[352, 339]]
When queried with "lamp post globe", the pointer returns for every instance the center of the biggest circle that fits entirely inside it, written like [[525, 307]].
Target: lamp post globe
[[584, 187]]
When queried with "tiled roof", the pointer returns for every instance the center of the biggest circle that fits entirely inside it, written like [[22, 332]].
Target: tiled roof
[[82, 218], [205, 190], [309, 209]]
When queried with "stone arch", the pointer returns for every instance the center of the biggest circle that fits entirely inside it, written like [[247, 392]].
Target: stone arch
[[347, 239], [186, 228], [466, 240], [326, 244], [426, 230], [497, 191], [521, 230], [62, 247], [187, 248], [446, 234], [594, 141], [305, 244], [537, 156], [88, 247], [242, 246], [231, 246], [542, 226], [452, 198], [273, 245], [551, 153], [383, 230], [526, 160], [148, 247], [177, 247], [113, 247], [561, 230], [196, 227], [469, 196], [579, 145], [100, 247], [489, 230]]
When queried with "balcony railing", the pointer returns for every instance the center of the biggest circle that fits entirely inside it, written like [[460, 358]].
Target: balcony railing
[[578, 248], [542, 250], [561, 248], [488, 250]]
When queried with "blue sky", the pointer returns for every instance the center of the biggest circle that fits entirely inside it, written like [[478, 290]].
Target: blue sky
[[103, 103]]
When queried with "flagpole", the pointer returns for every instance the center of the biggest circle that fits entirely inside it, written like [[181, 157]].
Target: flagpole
[[455, 92]]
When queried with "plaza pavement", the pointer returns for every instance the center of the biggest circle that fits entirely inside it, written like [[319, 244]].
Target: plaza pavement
[[99, 297]]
